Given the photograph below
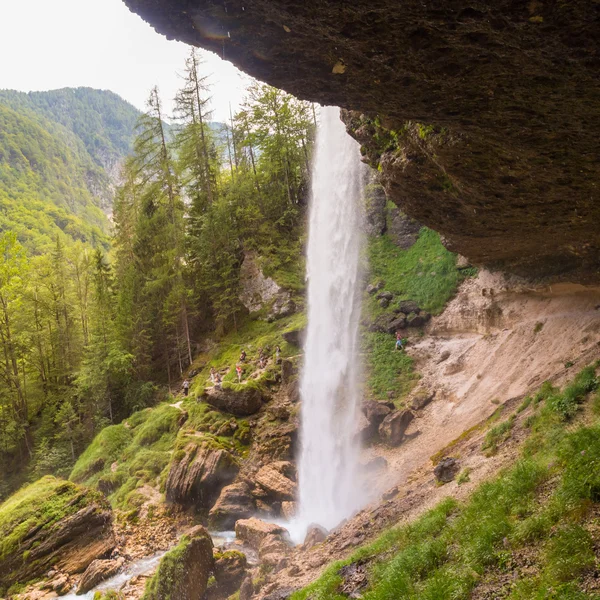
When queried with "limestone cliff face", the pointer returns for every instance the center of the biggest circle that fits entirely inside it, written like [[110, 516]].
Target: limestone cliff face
[[488, 112]]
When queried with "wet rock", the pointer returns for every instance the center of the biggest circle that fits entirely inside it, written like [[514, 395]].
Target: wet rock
[[254, 531], [389, 494], [371, 289], [375, 213], [288, 509], [409, 306], [277, 479], [184, 571], [240, 402], [393, 428], [199, 476], [354, 579], [315, 535], [98, 571], [378, 463], [446, 469], [385, 296], [234, 503]]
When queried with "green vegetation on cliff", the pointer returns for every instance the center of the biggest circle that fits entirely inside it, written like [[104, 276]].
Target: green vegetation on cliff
[[529, 531]]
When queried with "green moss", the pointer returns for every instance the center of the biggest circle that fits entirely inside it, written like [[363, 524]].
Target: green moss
[[40, 504], [425, 273]]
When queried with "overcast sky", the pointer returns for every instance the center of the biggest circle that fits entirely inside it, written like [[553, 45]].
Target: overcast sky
[[49, 44]]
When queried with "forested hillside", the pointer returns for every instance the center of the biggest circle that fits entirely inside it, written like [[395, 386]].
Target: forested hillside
[[93, 329]]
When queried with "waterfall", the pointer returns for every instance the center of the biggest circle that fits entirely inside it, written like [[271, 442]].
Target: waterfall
[[329, 490]]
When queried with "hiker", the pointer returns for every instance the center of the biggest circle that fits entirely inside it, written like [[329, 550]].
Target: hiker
[[238, 370], [217, 380], [399, 345], [186, 387], [213, 378], [277, 354], [243, 356]]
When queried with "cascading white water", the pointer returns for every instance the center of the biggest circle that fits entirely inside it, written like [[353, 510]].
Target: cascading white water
[[329, 490]]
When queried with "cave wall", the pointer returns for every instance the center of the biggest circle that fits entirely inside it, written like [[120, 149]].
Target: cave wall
[[483, 118]]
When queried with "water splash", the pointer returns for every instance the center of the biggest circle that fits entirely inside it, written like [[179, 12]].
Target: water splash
[[328, 466]]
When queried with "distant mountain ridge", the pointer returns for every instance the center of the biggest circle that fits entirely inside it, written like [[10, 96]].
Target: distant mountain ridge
[[60, 156]]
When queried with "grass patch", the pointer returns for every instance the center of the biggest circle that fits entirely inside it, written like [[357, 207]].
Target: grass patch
[[425, 273], [445, 553], [390, 372], [140, 447], [498, 434]]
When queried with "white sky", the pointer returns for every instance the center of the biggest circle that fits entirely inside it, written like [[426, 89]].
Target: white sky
[[50, 44]]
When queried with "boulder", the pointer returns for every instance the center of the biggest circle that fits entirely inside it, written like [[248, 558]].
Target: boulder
[[289, 371], [247, 588], [371, 289], [446, 469], [376, 412], [417, 320], [408, 306], [230, 569], [273, 548], [256, 289], [354, 579], [240, 401], [421, 399], [388, 323], [184, 571], [283, 306], [199, 476], [277, 479], [234, 503], [315, 535], [253, 531], [363, 429], [393, 427], [384, 302], [295, 337], [98, 571]]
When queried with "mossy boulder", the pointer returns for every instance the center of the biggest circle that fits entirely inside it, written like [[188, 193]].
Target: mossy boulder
[[240, 400], [183, 572], [52, 523], [197, 478]]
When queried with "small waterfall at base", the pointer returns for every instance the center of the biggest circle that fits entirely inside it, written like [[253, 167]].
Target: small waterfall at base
[[329, 490]]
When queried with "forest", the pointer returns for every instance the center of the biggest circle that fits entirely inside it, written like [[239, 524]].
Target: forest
[[99, 317]]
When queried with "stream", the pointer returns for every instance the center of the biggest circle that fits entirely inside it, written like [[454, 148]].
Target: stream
[[148, 564]]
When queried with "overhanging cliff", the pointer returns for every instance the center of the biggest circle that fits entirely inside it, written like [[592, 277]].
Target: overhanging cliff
[[482, 117]]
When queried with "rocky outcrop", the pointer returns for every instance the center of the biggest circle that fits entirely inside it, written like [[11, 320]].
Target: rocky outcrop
[[254, 531], [234, 503], [184, 571], [197, 477], [295, 337], [446, 470], [403, 230], [488, 111], [273, 550], [375, 210], [256, 289], [278, 480], [241, 401], [315, 535], [393, 428], [55, 524], [98, 571]]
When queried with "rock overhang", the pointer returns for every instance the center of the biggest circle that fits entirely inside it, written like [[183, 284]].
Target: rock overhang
[[483, 119]]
